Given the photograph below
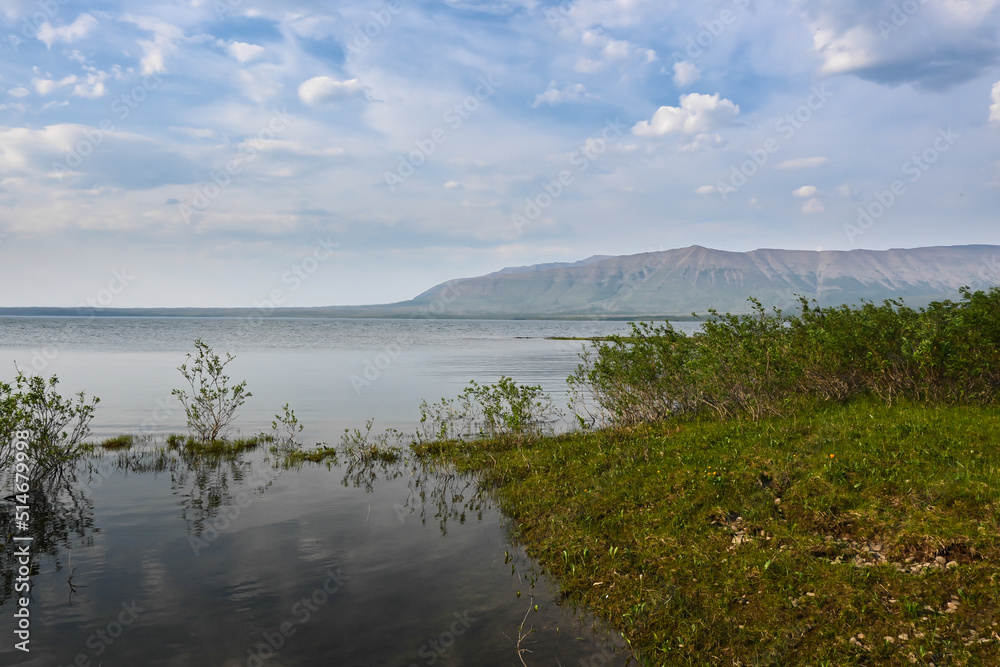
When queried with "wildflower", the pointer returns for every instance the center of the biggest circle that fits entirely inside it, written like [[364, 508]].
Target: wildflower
[[831, 456]]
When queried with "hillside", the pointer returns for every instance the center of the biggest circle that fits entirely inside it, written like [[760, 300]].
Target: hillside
[[677, 282]]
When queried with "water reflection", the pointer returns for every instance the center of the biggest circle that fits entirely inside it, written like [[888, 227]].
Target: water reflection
[[61, 515], [256, 535]]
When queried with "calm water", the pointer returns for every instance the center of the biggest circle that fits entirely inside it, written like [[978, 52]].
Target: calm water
[[334, 373], [147, 559]]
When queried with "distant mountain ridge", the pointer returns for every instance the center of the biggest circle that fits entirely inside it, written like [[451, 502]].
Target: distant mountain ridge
[[679, 282], [670, 283]]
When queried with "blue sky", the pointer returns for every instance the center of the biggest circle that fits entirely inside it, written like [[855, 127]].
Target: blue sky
[[242, 152]]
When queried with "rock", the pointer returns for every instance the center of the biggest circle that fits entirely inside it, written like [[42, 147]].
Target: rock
[[889, 640], [940, 560], [952, 564]]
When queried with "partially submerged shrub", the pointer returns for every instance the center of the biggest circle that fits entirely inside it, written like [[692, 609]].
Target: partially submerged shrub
[[57, 425], [504, 410], [285, 430], [211, 406]]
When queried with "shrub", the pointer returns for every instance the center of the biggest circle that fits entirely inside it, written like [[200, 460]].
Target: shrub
[[57, 425], [212, 404], [285, 430], [504, 411], [760, 364]]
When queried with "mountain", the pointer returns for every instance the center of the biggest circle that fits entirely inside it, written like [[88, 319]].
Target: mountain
[[671, 283], [679, 282]]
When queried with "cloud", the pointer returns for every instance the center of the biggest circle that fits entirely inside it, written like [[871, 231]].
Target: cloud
[[78, 29], [323, 89], [553, 95], [20, 91], [995, 107], [706, 190], [92, 86], [813, 206], [806, 191], [803, 163], [933, 44], [244, 52], [45, 86], [155, 52], [611, 51], [697, 114], [686, 73]]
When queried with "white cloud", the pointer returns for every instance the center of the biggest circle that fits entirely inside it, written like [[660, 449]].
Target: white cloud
[[20, 91], [453, 185], [697, 114], [46, 86], [995, 107], [803, 163], [78, 29], [553, 95], [589, 66], [706, 190], [686, 73], [92, 86], [155, 52], [806, 191], [612, 50], [244, 52], [813, 206], [322, 89]]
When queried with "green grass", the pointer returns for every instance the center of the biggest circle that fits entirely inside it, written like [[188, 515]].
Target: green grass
[[190, 445], [771, 542], [118, 442]]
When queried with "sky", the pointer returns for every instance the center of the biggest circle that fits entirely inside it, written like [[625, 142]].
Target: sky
[[258, 153]]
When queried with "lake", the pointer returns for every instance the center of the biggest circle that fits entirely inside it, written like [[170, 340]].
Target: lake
[[153, 558]]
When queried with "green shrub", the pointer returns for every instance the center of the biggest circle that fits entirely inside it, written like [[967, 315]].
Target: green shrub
[[57, 425], [211, 406], [504, 411], [760, 364]]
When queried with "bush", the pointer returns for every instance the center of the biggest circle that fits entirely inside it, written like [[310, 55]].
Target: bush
[[504, 411], [212, 404], [57, 425], [760, 364]]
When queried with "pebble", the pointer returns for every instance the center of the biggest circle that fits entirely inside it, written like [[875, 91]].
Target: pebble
[[952, 564]]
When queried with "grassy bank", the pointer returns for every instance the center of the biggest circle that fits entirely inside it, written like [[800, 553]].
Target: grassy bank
[[847, 534]]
